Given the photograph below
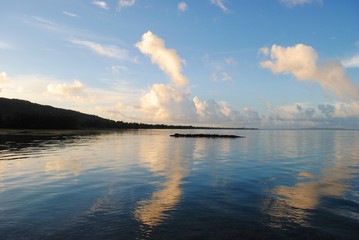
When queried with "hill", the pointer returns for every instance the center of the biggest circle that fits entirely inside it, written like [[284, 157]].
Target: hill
[[21, 114]]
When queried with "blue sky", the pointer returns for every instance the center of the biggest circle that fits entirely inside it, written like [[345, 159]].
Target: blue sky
[[254, 63]]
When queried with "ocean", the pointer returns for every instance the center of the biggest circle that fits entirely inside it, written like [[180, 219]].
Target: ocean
[[144, 184]]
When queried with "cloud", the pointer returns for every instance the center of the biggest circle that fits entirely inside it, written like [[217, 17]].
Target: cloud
[[74, 89], [168, 104], [308, 115], [100, 4], [223, 76], [126, 3], [70, 14], [327, 110], [118, 68], [220, 4], [166, 59], [301, 61], [351, 62], [214, 112], [103, 50], [182, 6], [3, 77], [4, 45], [172, 104], [231, 61], [293, 3], [164, 103]]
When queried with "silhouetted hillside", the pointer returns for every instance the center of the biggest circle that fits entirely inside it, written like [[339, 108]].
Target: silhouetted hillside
[[21, 114], [16, 113]]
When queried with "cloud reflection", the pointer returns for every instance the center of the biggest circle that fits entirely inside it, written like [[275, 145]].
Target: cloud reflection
[[294, 204], [166, 160]]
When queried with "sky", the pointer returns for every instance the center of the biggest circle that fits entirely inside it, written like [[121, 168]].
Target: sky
[[231, 63]]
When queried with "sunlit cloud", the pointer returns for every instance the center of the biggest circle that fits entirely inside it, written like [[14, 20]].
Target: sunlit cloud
[[100, 4], [3, 77], [163, 103], [220, 4], [103, 50], [65, 89], [182, 6], [166, 59], [70, 14], [301, 61], [293, 3], [172, 104], [352, 62]]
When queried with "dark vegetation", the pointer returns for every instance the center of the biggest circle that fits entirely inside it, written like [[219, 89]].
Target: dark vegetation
[[201, 135], [21, 114]]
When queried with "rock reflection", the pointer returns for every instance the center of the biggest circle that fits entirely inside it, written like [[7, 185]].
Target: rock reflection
[[165, 159]]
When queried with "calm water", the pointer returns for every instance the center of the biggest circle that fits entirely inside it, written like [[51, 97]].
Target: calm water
[[147, 185]]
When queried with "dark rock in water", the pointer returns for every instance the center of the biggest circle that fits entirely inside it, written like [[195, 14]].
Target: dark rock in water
[[205, 135]]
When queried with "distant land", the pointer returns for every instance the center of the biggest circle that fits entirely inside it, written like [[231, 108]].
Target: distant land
[[21, 114]]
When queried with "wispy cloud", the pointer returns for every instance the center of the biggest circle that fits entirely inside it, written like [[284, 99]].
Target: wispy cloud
[[301, 61], [293, 3], [126, 3], [220, 4], [222, 76], [100, 4], [103, 50], [182, 6], [166, 59], [352, 62], [4, 45], [70, 14]]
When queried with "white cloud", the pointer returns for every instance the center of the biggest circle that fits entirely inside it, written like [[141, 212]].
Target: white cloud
[[182, 6], [70, 14], [166, 59], [100, 4], [220, 4], [74, 89], [104, 50], [301, 61], [126, 3], [293, 3], [351, 62]]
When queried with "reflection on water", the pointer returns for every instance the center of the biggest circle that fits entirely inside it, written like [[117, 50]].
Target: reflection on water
[[146, 185], [167, 161], [295, 204]]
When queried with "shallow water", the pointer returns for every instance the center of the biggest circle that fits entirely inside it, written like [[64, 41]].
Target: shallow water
[[143, 184]]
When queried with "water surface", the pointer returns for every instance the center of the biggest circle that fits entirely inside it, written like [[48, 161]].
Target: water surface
[[143, 184]]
